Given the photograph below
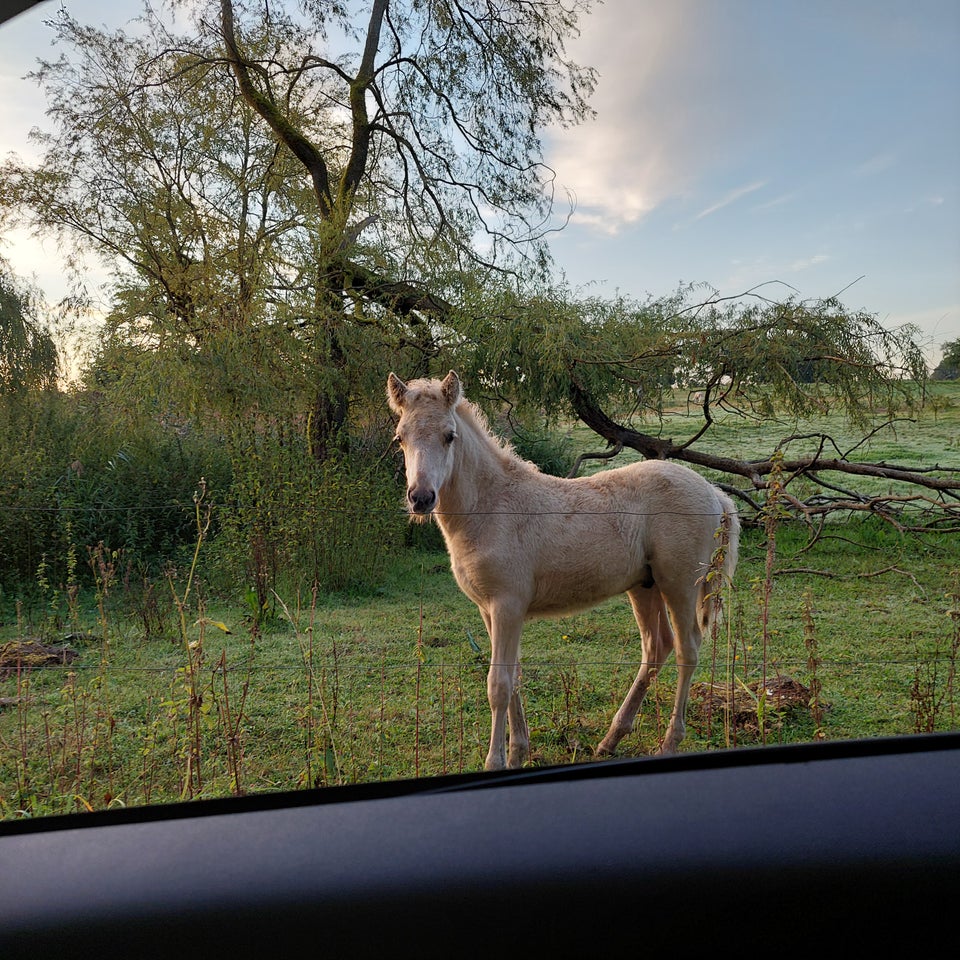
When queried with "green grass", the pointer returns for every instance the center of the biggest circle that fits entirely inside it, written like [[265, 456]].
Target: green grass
[[931, 435], [163, 704]]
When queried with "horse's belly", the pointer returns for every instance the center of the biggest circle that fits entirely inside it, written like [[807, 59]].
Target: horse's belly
[[557, 595]]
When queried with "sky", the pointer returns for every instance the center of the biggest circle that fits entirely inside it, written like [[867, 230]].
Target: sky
[[811, 146]]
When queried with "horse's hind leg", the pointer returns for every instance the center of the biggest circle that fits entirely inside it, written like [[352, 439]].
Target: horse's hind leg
[[657, 639], [687, 647]]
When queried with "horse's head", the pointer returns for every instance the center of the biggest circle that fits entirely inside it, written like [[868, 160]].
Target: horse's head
[[427, 433]]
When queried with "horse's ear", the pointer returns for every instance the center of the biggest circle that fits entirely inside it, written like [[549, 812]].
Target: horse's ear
[[450, 388], [396, 391]]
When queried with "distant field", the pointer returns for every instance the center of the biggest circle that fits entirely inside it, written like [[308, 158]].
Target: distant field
[[932, 437], [856, 637]]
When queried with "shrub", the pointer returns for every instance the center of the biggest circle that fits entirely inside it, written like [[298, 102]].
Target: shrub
[[292, 523], [73, 476], [552, 452]]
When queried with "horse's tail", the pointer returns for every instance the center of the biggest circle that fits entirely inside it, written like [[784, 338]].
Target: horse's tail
[[723, 562]]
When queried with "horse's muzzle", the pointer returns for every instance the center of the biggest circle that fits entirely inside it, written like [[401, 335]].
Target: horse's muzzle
[[421, 501]]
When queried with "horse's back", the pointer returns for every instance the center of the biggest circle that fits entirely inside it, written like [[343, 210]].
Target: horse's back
[[553, 546], [670, 516], [668, 493], [633, 526]]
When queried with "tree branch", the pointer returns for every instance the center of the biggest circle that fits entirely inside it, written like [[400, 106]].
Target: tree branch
[[264, 105], [943, 482]]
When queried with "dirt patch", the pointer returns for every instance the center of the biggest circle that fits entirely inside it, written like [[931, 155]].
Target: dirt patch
[[778, 696], [18, 656]]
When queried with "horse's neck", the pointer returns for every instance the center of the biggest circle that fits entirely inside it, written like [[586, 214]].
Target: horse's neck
[[478, 477]]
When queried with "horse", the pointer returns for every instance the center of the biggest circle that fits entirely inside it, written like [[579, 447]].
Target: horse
[[525, 545]]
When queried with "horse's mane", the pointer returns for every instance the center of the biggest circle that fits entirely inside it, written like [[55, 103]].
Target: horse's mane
[[474, 417]]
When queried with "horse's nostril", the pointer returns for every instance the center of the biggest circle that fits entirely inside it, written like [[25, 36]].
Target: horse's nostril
[[421, 501]]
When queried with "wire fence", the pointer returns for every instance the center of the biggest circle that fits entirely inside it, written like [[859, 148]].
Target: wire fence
[[782, 664], [92, 733], [176, 708]]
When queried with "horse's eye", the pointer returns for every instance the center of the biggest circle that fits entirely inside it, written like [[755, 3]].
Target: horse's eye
[[450, 437], [397, 440]]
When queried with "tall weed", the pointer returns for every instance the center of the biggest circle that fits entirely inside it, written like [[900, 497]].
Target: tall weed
[[292, 523]]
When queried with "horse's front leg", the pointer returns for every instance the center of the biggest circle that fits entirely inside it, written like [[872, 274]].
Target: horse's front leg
[[519, 733], [502, 691]]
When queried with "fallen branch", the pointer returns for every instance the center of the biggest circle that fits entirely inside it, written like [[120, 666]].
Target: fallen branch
[[939, 485]]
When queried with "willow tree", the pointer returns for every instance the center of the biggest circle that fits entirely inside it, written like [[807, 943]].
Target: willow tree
[[155, 166], [29, 358], [439, 155], [685, 377], [298, 188]]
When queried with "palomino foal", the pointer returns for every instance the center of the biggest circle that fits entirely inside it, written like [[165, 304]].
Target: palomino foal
[[523, 544]]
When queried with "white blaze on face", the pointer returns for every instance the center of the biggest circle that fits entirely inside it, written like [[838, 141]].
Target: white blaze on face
[[426, 433], [423, 479]]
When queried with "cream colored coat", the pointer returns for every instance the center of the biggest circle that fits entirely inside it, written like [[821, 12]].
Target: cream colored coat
[[523, 544]]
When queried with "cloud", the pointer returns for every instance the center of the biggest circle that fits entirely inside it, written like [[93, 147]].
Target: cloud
[[673, 107], [876, 164], [641, 148], [748, 273], [805, 263], [732, 197], [776, 202]]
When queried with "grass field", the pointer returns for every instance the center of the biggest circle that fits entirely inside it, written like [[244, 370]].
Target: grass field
[[175, 694]]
